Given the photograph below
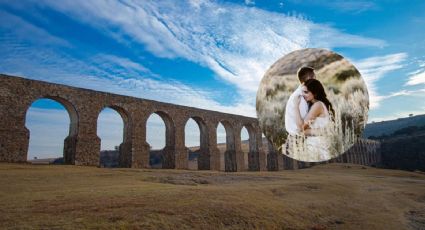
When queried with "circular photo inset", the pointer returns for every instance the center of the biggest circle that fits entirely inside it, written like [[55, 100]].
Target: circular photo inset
[[312, 105]]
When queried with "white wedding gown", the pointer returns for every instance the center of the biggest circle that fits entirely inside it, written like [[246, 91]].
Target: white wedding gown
[[311, 148], [317, 147]]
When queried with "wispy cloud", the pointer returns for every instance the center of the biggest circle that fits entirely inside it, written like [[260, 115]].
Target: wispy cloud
[[103, 72], [21, 29], [328, 37], [416, 79], [350, 6], [374, 68], [249, 2], [238, 43]]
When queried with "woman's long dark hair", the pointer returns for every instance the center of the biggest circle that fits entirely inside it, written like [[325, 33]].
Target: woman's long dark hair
[[316, 88]]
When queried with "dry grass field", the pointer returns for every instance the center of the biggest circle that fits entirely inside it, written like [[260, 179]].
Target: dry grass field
[[333, 196]]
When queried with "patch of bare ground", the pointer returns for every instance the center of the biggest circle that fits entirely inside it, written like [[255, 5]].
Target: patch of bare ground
[[333, 196]]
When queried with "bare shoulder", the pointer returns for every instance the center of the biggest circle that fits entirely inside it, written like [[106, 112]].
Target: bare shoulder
[[318, 106], [316, 109]]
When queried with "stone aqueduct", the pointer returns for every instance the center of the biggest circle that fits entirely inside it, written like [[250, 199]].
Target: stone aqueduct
[[82, 146]]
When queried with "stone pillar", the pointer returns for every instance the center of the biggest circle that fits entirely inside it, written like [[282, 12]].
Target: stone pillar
[[240, 155], [359, 153], [14, 136], [181, 153], [216, 159], [356, 153], [69, 145], [286, 162], [140, 148], [294, 164], [343, 158], [204, 158], [375, 154], [182, 158], [14, 144], [87, 145], [230, 161], [254, 161], [262, 158], [347, 153], [368, 155], [125, 156], [141, 154], [230, 156], [272, 158], [214, 152], [363, 152], [351, 156]]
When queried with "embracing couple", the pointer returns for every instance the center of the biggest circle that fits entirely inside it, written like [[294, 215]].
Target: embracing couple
[[308, 112]]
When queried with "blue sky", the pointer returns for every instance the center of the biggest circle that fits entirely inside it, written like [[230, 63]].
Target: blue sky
[[209, 54]]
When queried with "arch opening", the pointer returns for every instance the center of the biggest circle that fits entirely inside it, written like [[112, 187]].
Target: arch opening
[[52, 123], [249, 148], [115, 146], [159, 136], [196, 140], [245, 138], [227, 150]]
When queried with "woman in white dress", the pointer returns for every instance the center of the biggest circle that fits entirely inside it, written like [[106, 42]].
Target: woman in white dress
[[314, 126]]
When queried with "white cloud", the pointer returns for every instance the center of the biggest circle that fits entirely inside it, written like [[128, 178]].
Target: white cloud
[[238, 43], [374, 68], [250, 2], [123, 62], [354, 6], [416, 79], [328, 37], [21, 30]]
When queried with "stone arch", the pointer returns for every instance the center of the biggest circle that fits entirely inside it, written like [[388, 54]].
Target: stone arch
[[82, 145], [167, 153], [230, 161], [253, 150], [124, 149], [69, 149], [204, 154], [273, 157]]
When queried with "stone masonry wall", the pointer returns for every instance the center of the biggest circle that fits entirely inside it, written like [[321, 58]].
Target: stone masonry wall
[[82, 146]]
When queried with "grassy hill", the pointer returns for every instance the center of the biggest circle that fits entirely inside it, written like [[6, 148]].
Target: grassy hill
[[388, 127], [333, 196]]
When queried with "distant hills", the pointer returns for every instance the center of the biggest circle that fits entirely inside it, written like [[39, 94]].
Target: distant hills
[[402, 142], [388, 127]]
